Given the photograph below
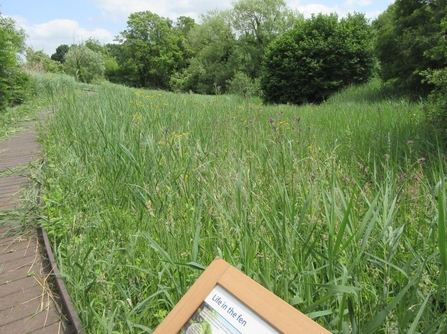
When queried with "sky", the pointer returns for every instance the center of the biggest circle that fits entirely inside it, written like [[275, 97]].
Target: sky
[[50, 23]]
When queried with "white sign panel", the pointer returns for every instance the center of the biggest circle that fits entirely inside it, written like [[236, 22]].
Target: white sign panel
[[222, 313]]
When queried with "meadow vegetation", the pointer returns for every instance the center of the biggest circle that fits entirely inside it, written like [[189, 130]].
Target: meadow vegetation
[[338, 208]]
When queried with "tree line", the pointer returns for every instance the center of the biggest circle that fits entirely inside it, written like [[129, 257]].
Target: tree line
[[264, 48], [13, 81]]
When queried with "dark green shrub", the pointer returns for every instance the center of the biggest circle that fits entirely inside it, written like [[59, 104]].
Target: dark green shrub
[[84, 64], [241, 84], [318, 57], [21, 87], [436, 110], [410, 40], [13, 82]]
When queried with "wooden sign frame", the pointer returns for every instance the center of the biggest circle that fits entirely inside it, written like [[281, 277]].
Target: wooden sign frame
[[270, 308]]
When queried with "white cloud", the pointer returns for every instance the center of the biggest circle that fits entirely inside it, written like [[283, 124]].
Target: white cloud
[[48, 36], [308, 10], [359, 2], [349, 7], [121, 9], [372, 15]]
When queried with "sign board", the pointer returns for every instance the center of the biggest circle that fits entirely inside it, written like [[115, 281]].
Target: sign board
[[224, 300]]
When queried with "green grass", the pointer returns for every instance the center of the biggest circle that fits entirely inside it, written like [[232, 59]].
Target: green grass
[[339, 209]]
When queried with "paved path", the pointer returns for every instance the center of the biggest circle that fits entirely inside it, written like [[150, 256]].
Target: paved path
[[27, 304]]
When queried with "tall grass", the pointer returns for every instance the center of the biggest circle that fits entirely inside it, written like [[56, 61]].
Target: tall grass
[[339, 209]]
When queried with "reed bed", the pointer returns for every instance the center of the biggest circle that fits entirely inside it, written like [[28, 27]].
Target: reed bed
[[339, 208]]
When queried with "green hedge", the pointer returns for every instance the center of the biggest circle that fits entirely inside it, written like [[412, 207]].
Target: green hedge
[[317, 58]]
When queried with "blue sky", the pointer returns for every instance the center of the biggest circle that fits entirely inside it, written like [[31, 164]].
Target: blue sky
[[50, 23]]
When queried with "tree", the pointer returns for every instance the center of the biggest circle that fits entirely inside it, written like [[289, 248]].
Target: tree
[[257, 23], [38, 61], [232, 42], [125, 70], [111, 67], [410, 36], [182, 27], [13, 81], [152, 47], [60, 53], [213, 44], [83, 63], [261, 21], [318, 57], [95, 45]]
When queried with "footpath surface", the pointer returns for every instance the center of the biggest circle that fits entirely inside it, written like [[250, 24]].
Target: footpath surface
[[28, 301]]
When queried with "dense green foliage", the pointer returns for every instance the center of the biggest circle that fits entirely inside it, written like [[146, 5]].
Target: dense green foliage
[[84, 64], [242, 84], [156, 52], [339, 208], [317, 58], [436, 111], [152, 49], [231, 42], [14, 83], [60, 53], [213, 45], [38, 61], [410, 40], [412, 49]]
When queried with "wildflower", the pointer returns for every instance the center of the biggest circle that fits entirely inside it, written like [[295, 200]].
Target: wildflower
[[421, 160], [409, 142], [347, 179], [403, 176], [271, 120], [416, 178], [136, 118], [309, 148], [284, 124]]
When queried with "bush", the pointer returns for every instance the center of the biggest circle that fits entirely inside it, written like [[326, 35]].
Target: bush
[[317, 58], [436, 110], [16, 89], [241, 84], [410, 40], [13, 82], [38, 61], [84, 64]]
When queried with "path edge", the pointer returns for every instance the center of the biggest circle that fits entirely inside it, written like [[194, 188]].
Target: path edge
[[65, 297]]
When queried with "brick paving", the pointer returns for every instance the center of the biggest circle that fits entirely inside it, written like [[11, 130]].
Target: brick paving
[[28, 304]]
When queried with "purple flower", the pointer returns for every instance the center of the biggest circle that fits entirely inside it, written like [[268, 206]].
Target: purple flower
[[409, 142], [271, 120], [347, 179], [403, 176]]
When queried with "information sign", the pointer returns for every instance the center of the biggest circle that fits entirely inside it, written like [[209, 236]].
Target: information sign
[[225, 301]]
